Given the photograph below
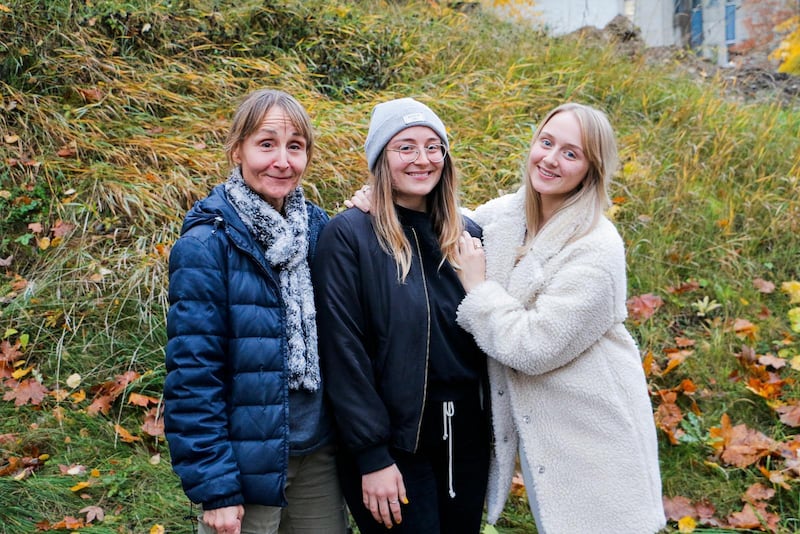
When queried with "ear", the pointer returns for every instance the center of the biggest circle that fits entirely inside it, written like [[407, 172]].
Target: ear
[[235, 155]]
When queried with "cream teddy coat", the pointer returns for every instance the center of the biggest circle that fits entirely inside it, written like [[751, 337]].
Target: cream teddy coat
[[566, 376]]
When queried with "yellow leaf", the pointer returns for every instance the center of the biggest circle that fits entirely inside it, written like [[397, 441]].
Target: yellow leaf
[[79, 486], [11, 139], [19, 373], [794, 319], [94, 473], [686, 524], [157, 529], [44, 243], [793, 289]]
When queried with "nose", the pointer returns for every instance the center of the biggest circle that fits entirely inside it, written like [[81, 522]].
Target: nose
[[550, 158], [422, 153], [281, 158]]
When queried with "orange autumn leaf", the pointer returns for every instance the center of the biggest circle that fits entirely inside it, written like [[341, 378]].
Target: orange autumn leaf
[[789, 414], [142, 400], [69, 523], [29, 391], [92, 94], [518, 486], [101, 404], [745, 329], [8, 352], [62, 228], [754, 516], [668, 416], [778, 478], [740, 446], [769, 388], [758, 492], [124, 435], [676, 357], [153, 424], [686, 287], [642, 307], [677, 507]]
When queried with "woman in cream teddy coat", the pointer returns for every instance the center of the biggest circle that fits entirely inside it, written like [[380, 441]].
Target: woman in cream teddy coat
[[547, 303]]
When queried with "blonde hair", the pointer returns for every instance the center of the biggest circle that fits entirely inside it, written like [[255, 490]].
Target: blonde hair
[[442, 204], [250, 114], [600, 150]]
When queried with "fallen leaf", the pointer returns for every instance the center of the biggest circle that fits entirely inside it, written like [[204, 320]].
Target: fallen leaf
[[92, 513], [763, 286], [686, 525], [61, 228], [80, 485], [744, 328], [642, 307], [792, 288], [789, 414], [124, 435], [28, 391], [74, 380], [142, 400], [101, 404]]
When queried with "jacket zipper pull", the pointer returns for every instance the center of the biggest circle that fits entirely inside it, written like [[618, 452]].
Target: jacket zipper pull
[[217, 222]]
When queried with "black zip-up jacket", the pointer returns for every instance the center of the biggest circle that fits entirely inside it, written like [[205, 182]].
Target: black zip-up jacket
[[375, 334]]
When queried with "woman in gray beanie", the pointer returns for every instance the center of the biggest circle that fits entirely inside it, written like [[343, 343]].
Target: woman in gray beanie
[[406, 383]]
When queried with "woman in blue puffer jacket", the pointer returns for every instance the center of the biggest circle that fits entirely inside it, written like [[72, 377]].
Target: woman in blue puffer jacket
[[246, 421]]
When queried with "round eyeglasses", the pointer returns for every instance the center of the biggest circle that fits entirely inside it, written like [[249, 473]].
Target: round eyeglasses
[[435, 152]]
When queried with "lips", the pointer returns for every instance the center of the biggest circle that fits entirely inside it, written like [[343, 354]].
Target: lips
[[547, 174]]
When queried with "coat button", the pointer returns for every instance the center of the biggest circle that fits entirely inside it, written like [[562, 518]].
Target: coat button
[[526, 419], [505, 439], [541, 469], [500, 392]]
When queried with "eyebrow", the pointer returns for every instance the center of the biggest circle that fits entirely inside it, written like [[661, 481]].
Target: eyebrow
[[271, 131], [410, 140], [545, 133]]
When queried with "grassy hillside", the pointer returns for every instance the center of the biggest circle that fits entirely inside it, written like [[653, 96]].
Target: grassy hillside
[[112, 115]]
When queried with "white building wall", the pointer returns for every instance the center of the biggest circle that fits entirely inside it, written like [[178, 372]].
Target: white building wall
[[656, 20], [559, 17]]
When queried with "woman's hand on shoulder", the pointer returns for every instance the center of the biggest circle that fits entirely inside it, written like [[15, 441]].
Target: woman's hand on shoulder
[[361, 199], [382, 492], [471, 261]]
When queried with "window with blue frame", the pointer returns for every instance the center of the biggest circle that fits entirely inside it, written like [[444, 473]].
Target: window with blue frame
[[730, 23]]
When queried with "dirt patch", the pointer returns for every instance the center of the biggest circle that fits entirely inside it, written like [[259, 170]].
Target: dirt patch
[[751, 77]]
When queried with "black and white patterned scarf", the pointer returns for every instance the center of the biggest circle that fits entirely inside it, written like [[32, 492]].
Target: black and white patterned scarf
[[285, 242]]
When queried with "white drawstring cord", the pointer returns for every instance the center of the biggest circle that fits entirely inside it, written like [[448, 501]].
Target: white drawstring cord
[[448, 409]]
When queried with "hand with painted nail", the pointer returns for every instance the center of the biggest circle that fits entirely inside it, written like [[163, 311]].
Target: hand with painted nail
[[382, 492]]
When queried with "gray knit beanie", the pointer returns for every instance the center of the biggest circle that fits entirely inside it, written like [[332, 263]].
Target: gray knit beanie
[[389, 118]]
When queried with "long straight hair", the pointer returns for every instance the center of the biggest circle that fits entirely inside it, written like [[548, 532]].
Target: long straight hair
[[600, 149], [442, 204]]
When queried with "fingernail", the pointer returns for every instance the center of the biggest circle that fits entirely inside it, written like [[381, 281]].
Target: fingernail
[[405, 500]]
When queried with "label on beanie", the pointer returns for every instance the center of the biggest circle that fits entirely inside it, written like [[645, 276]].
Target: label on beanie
[[413, 117]]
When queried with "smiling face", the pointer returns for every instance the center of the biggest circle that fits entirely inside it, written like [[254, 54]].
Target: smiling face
[[557, 163], [412, 182], [273, 158]]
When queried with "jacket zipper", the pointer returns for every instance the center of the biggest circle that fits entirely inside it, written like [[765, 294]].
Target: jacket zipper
[[427, 340]]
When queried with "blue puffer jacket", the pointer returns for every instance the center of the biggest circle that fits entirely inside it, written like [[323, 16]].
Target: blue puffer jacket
[[226, 394]]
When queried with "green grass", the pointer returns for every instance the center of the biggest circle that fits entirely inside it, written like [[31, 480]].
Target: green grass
[[112, 117]]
